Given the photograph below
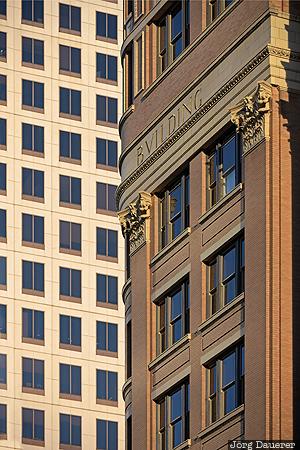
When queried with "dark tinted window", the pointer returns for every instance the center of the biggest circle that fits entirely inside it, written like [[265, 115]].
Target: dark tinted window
[[70, 190], [32, 94], [69, 17], [32, 373], [2, 223], [3, 369], [107, 385], [69, 379], [3, 7], [32, 51], [32, 138], [2, 177], [3, 271], [106, 25], [33, 424], [2, 45], [3, 88], [70, 282], [107, 435], [70, 145], [107, 242], [32, 229], [70, 330], [32, 324], [70, 235], [33, 10], [3, 132], [33, 276], [107, 152], [3, 319], [106, 196], [69, 59], [106, 67], [107, 109], [3, 419], [70, 430], [107, 289], [70, 101], [107, 337]]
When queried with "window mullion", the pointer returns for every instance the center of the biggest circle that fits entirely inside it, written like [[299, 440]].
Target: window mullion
[[219, 393]]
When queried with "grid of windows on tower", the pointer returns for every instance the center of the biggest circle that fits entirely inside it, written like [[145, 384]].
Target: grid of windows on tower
[[34, 226]]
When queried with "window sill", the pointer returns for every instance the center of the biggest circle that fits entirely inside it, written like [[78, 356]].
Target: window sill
[[69, 205], [3, 147], [29, 390], [33, 245], [33, 109], [107, 212], [2, 17], [3, 239], [221, 312], [184, 445], [69, 31], [3, 436], [33, 153], [107, 353], [74, 348], [220, 203], [69, 447], [67, 298], [107, 305], [33, 292], [107, 258], [106, 39], [69, 251], [3, 102], [69, 73], [32, 23], [3, 287], [3, 59], [34, 341], [3, 386], [77, 398], [220, 422], [104, 167], [171, 351], [35, 442], [33, 65], [107, 124], [3, 335], [70, 160], [186, 232], [32, 198], [107, 81], [69, 116], [106, 402]]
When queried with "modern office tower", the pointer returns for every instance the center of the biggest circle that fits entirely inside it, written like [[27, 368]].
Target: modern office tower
[[209, 205], [61, 249]]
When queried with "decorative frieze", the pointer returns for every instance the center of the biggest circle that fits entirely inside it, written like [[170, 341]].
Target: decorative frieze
[[134, 221], [251, 116]]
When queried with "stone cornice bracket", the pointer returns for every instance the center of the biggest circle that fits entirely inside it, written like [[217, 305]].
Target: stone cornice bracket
[[252, 116], [134, 221]]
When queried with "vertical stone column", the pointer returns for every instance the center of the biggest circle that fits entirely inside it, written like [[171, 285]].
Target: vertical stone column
[[135, 222]]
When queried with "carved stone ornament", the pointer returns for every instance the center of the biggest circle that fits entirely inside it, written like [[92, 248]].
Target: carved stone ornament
[[133, 221], [251, 116]]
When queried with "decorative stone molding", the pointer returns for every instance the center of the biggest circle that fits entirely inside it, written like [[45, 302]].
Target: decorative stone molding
[[251, 116], [133, 221]]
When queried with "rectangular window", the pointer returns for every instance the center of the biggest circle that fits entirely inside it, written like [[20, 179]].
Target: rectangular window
[[224, 168], [107, 290], [173, 417], [2, 46], [106, 66], [2, 178], [3, 9], [69, 19], [173, 317], [107, 153], [128, 349], [32, 184], [69, 146], [107, 387], [174, 210], [32, 139], [70, 332], [225, 276], [69, 103], [139, 68], [225, 383], [2, 225], [70, 284], [33, 96], [107, 243], [107, 110], [129, 433], [70, 430], [3, 371], [32, 278], [3, 421], [218, 6], [128, 77], [33, 427], [3, 272], [69, 60], [33, 230], [106, 197], [70, 237], [33, 11], [106, 26], [69, 381], [32, 326], [107, 435], [32, 375], [32, 52], [2, 132], [69, 191], [3, 321], [107, 338], [173, 34], [3, 95]]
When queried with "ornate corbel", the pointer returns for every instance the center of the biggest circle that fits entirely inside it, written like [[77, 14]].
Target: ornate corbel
[[251, 116], [134, 223]]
